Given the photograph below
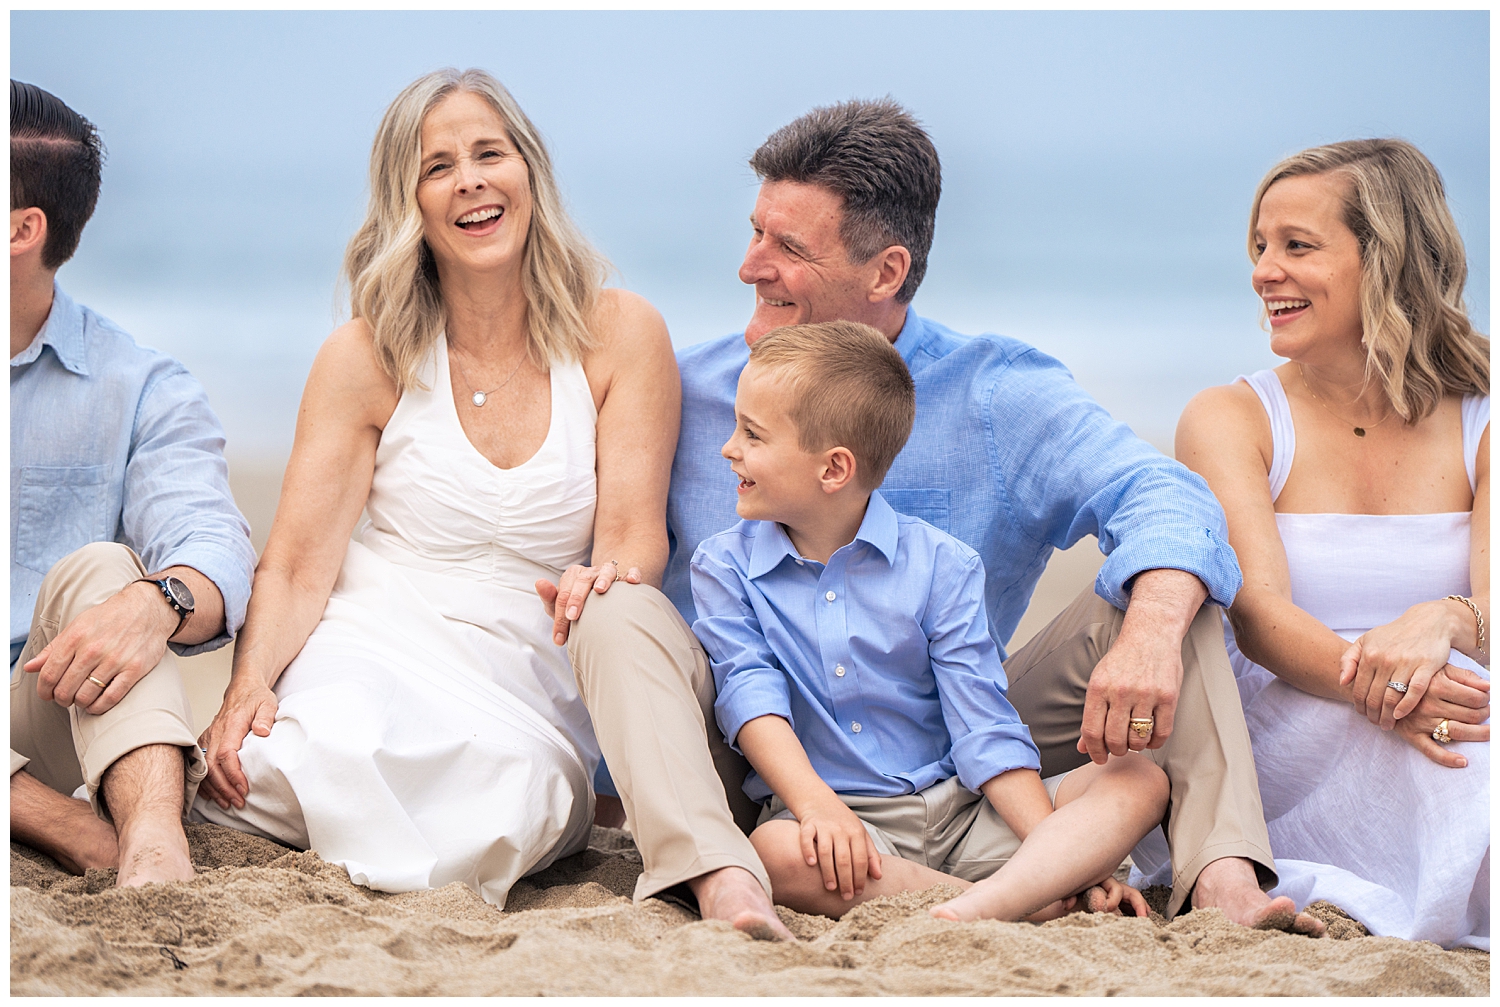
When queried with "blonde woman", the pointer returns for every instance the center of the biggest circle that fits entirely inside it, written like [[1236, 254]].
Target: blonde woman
[[1356, 482], [400, 702]]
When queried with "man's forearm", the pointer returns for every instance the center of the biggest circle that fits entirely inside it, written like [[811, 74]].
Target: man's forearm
[[773, 749], [207, 620], [1163, 604]]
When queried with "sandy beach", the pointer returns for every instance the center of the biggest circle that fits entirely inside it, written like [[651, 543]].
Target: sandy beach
[[261, 919]]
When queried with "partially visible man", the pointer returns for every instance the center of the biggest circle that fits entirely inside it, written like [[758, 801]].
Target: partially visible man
[[125, 540], [1012, 457]]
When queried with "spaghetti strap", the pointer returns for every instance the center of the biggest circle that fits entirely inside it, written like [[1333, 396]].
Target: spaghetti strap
[[1476, 419], [1267, 387]]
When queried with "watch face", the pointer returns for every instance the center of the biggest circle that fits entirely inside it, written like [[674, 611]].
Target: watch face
[[180, 593]]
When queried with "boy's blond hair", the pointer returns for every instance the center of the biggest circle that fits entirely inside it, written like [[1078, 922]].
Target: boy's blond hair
[[850, 388]]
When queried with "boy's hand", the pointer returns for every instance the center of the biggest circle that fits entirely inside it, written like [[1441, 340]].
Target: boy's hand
[[835, 839], [1113, 894]]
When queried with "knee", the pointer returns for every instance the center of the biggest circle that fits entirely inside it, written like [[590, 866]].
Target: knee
[[627, 617], [1142, 779], [105, 566], [778, 843]]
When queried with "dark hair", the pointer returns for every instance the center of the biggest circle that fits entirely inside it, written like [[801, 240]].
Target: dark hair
[[879, 159], [56, 159], [849, 387]]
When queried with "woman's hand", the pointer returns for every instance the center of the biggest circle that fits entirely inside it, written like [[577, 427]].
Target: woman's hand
[[246, 708], [564, 600], [834, 839], [1458, 696], [1409, 650]]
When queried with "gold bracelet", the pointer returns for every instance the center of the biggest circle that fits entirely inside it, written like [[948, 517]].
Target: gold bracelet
[[1478, 618]]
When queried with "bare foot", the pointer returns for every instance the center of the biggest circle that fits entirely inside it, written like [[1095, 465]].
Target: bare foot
[[65, 829], [1229, 885], [733, 894], [151, 852]]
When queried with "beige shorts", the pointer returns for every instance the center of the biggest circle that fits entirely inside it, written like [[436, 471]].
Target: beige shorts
[[946, 827]]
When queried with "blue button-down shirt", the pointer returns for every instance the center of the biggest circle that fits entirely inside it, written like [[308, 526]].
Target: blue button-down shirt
[[110, 441], [1008, 454], [882, 660]]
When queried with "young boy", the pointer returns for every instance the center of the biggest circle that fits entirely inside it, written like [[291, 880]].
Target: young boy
[[856, 672]]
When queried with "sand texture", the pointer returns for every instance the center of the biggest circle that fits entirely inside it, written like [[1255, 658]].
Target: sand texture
[[262, 919]]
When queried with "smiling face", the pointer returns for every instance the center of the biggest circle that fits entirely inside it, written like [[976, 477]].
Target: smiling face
[[799, 265], [779, 480], [1309, 270], [474, 189]]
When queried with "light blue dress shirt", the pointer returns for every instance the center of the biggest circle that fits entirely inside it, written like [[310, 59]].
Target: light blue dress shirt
[[113, 442], [1008, 455], [882, 660]]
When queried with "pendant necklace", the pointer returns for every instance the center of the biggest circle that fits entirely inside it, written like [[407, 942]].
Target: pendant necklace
[[479, 398], [1358, 430]]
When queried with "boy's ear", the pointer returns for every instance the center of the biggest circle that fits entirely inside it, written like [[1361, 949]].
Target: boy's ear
[[839, 467]]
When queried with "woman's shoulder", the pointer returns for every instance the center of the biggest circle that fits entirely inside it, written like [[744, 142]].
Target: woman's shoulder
[[1230, 408], [348, 369], [626, 321]]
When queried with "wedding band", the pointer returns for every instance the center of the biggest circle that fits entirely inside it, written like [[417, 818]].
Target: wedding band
[[1142, 726], [1441, 735], [1398, 686], [97, 682]]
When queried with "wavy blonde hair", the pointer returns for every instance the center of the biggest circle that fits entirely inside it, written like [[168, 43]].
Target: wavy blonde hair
[[1417, 334], [392, 277]]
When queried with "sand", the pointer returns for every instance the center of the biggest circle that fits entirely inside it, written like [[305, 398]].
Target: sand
[[260, 919]]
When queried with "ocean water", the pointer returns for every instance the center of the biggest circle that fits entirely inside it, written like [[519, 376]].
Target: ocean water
[[1097, 166]]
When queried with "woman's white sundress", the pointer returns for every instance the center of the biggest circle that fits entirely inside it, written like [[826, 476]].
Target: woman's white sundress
[[430, 731], [1357, 816]]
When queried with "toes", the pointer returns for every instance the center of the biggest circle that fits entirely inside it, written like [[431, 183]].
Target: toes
[[944, 912], [1097, 900], [1309, 925], [1279, 915]]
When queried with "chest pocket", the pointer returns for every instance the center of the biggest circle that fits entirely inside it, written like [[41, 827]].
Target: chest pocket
[[59, 508], [929, 505]]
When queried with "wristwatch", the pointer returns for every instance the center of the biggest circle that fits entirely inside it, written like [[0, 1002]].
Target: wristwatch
[[177, 595]]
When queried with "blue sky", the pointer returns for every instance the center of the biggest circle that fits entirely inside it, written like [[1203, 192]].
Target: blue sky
[[1097, 166]]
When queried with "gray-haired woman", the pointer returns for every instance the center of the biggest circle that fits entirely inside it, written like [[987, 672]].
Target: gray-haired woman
[[1356, 482], [401, 703]]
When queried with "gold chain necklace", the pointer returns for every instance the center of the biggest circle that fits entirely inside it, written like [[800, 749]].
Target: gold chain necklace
[[1359, 431]]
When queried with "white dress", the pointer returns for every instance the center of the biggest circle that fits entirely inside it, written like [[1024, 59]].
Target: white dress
[[1356, 815], [430, 731]]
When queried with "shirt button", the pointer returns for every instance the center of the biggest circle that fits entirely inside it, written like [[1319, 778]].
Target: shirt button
[[856, 728], [839, 671], [830, 596], [797, 561]]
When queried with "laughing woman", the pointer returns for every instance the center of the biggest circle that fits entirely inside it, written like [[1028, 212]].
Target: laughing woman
[[1356, 482], [399, 702]]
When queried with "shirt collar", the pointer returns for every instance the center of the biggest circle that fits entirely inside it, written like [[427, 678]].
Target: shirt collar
[[912, 335], [63, 331], [878, 529]]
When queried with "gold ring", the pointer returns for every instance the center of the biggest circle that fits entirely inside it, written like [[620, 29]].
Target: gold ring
[[1441, 735], [1142, 726], [97, 682]]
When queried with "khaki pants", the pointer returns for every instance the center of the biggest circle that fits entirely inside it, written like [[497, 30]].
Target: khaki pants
[[66, 747], [946, 827], [1215, 808], [648, 688]]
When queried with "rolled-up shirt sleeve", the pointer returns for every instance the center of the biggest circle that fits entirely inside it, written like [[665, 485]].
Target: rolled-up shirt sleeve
[[748, 677], [1072, 470], [178, 509], [988, 735]]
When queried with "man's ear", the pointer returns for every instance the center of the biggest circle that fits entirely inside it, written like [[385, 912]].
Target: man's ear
[[892, 265], [28, 230], [839, 467]]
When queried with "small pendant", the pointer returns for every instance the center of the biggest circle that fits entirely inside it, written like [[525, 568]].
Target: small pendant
[[479, 398], [1358, 431]]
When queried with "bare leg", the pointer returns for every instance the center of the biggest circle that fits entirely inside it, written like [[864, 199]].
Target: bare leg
[[64, 828], [1230, 885], [1102, 812], [733, 894], [143, 791]]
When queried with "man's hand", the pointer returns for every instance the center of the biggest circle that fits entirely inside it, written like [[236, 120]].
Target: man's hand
[[248, 707], [564, 600], [1141, 675], [834, 839], [116, 642]]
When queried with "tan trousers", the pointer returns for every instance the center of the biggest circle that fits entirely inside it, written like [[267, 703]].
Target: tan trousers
[[1215, 808], [66, 747], [647, 685]]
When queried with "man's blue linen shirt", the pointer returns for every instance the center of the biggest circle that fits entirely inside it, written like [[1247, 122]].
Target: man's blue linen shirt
[[1008, 455], [882, 660], [110, 441]]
